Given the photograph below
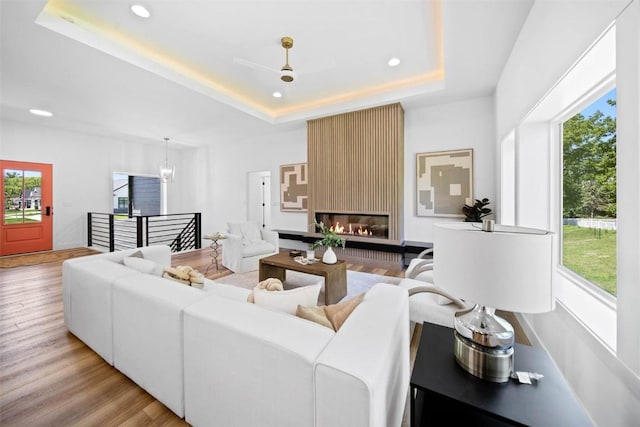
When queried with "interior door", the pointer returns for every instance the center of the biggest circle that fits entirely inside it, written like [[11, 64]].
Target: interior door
[[27, 207], [259, 201]]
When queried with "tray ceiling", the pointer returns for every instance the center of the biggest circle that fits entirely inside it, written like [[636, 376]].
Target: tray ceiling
[[340, 50]]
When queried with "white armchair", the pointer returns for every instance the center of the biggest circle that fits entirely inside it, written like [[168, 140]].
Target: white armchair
[[246, 243], [421, 268], [428, 302]]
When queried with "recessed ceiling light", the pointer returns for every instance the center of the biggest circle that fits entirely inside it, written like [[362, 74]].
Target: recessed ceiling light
[[42, 113], [140, 10], [393, 62], [277, 94]]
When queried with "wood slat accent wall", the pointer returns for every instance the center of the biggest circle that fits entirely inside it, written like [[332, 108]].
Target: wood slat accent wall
[[356, 164]]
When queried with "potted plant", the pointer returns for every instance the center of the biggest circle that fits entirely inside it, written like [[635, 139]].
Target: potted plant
[[476, 212], [330, 239]]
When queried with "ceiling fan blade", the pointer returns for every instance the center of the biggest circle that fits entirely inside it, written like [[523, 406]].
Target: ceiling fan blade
[[318, 68], [255, 65]]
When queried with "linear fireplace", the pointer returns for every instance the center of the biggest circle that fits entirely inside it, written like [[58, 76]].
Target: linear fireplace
[[355, 224]]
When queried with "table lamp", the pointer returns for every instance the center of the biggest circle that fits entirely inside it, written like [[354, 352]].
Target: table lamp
[[494, 267]]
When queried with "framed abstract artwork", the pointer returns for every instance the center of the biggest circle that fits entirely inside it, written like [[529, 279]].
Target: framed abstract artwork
[[444, 182], [293, 187]]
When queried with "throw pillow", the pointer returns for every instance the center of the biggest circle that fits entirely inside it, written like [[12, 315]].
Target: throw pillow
[[170, 276], [332, 316], [250, 232], [184, 274], [288, 300], [143, 265], [270, 284], [314, 314], [234, 228], [137, 254], [338, 313]]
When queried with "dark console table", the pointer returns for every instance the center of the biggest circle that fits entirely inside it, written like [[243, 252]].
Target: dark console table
[[442, 393]]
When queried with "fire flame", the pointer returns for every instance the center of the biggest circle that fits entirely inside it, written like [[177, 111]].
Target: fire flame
[[359, 231]]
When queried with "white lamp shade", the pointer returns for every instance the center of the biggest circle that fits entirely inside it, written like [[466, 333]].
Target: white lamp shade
[[508, 269]]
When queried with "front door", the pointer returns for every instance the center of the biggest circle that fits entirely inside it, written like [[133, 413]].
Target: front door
[[27, 208]]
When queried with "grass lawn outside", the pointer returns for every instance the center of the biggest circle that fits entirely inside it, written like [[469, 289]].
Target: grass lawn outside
[[592, 254], [19, 220], [15, 216]]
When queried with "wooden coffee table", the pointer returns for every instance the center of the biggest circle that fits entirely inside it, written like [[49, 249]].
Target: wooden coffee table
[[335, 275]]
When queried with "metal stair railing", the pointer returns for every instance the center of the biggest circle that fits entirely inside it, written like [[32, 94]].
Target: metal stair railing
[[179, 231]]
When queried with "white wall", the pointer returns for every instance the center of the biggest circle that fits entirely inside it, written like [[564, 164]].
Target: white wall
[[506, 181], [459, 125], [82, 172], [554, 37], [213, 179], [219, 178], [220, 175], [532, 165]]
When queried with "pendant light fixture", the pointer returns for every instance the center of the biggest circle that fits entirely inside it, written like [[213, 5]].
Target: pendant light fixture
[[167, 171]]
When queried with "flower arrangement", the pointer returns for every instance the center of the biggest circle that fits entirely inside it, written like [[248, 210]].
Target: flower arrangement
[[329, 239]]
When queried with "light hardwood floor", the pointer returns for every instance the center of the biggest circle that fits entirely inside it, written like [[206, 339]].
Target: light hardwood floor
[[49, 377]]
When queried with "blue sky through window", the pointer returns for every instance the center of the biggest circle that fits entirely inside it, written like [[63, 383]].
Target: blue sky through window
[[601, 104]]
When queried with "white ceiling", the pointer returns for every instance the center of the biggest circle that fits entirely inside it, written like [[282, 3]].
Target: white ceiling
[[102, 70]]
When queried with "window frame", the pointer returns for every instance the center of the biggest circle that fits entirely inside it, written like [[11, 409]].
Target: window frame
[[590, 77], [593, 306], [590, 96]]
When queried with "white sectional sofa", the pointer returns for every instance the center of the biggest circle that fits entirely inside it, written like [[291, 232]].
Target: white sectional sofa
[[216, 360]]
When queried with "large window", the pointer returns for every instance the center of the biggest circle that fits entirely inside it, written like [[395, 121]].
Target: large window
[[589, 193], [23, 201]]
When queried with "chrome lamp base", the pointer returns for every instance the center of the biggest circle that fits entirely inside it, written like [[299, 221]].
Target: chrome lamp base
[[483, 344]]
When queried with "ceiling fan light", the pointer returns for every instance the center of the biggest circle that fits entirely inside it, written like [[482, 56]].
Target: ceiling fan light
[[393, 62], [140, 10], [287, 73], [42, 113], [277, 94], [286, 77]]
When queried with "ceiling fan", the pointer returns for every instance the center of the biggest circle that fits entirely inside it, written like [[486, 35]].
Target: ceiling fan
[[286, 73]]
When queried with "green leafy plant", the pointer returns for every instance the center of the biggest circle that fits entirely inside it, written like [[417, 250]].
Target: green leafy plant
[[329, 237], [476, 212]]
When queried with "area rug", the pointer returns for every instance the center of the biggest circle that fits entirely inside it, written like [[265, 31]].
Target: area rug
[[357, 282], [44, 257]]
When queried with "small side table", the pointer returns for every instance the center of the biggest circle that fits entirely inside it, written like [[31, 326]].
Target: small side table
[[214, 249], [442, 393]]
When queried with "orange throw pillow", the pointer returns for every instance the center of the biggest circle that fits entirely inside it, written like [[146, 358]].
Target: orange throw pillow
[[332, 316]]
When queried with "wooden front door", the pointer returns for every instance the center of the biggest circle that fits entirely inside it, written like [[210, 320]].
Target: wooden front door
[[27, 207]]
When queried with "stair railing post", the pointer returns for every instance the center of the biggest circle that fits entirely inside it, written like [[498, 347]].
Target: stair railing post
[[197, 231], [89, 230], [112, 237], [146, 230], [139, 231]]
